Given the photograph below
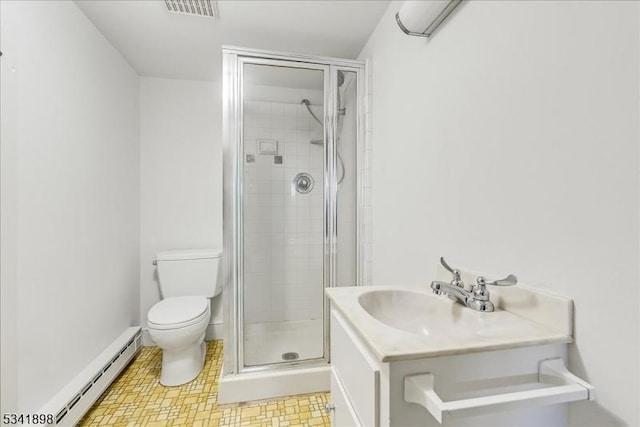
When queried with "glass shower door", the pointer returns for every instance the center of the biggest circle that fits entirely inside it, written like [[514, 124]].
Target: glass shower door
[[283, 205]]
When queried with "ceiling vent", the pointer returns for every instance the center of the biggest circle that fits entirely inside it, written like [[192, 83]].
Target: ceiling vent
[[205, 8]]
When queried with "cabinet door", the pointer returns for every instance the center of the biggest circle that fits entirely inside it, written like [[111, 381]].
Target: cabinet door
[[357, 371], [343, 415]]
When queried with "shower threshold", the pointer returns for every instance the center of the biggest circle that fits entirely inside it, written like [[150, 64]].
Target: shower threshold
[[281, 359], [267, 384]]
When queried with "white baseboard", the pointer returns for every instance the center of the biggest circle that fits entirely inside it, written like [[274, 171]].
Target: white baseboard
[[215, 331]]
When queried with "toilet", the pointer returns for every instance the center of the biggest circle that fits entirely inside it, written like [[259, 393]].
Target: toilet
[[177, 324]]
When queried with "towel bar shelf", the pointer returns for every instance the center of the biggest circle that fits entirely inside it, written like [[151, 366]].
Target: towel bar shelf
[[555, 384]]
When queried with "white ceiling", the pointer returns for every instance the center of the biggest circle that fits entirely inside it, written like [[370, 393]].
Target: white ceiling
[[163, 44]]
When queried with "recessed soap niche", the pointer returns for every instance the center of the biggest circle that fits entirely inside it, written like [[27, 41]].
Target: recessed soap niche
[[267, 146]]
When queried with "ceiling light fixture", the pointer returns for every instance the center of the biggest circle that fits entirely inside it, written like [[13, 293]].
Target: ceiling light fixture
[[421, 18], [205, 8]]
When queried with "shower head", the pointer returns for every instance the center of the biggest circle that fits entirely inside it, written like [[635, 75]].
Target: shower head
[[340, 78]]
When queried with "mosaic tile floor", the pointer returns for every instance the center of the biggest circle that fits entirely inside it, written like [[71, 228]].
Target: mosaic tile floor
[[136, 398]]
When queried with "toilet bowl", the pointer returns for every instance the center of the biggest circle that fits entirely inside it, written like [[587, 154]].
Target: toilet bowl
[[177, 325]]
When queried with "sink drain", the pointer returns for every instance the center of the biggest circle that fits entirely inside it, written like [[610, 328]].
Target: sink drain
[[290, 356]]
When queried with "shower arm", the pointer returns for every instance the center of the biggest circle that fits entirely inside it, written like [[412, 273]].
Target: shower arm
[[308, 105]]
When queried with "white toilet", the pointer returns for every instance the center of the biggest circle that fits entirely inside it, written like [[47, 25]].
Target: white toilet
[[177, 324]]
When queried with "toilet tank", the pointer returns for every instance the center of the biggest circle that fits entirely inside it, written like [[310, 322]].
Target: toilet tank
[[190, 272]]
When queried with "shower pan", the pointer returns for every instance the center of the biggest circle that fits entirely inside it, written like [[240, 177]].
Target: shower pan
[[293, 138]]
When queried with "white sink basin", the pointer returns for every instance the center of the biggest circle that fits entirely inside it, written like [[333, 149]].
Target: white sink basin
[[403, 323], [434, 316]]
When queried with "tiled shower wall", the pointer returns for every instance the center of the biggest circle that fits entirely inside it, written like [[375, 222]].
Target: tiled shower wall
[[283, 235]]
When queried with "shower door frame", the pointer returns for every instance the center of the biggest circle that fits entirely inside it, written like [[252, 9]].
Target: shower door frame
[[234, 59]]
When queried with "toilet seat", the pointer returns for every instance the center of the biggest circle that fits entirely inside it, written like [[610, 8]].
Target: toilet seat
[[178, 312]]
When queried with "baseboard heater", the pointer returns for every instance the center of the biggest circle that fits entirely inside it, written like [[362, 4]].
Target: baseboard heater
[[77, 397]]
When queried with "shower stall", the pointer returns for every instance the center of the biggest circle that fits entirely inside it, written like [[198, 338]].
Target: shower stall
[[293, 133]]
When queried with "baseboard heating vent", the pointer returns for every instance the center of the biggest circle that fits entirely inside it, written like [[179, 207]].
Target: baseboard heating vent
[[77, 397]]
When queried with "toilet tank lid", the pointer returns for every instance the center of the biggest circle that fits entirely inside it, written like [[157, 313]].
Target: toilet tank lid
[[187, 254]]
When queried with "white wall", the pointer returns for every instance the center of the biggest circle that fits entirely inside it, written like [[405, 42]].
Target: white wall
[[509, 143], [181, 175], [70, 198], [8, 218]]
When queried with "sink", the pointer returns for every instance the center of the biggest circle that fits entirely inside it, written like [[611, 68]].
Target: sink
[[408, 323], [430, 315], [414, 311]]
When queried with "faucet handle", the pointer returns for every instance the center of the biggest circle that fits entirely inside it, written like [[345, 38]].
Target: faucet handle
[[510, 280], [456, 281], [446, 266]]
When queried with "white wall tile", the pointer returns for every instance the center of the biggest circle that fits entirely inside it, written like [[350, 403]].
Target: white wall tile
[[280, 221], [303, 162]]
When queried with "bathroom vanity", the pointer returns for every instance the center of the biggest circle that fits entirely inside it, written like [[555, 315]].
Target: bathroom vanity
[[406, 357]]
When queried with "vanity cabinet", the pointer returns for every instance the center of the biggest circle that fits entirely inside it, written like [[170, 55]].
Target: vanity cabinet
[[520, 385]]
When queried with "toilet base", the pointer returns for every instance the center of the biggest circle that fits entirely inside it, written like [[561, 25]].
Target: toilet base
[[183, 365]]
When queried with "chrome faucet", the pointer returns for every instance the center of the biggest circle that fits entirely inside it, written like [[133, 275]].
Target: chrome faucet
[[478, 297]]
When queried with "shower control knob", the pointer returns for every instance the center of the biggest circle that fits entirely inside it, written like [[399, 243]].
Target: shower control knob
[[303, 183], [329, 408]]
